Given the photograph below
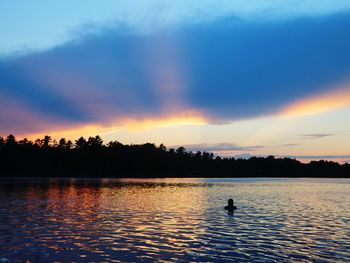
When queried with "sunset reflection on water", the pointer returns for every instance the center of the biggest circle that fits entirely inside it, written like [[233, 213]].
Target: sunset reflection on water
[[174, 220]]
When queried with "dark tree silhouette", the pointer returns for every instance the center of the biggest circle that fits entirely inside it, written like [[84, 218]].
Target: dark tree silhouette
[[80, 143], [11, 141], [62, 143], [95, 141], [25, 142], [2, 142], [46, 141], [91, 157]]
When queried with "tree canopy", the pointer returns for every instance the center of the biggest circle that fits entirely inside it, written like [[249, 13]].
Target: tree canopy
[[92, 157]]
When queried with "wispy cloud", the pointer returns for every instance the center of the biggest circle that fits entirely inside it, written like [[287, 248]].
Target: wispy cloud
[[221, 147], [316, 135], [290, 144]]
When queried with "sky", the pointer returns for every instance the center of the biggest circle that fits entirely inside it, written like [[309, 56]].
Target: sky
[[238, 78]]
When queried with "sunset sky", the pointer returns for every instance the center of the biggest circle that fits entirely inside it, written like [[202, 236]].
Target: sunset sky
[[238, 78]]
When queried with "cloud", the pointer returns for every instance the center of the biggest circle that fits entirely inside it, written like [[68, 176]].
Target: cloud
[[50, 27], [222, 71], [220, 147], [290, 144], [254, 70], [331, 100], [316, 135], [17, 83]]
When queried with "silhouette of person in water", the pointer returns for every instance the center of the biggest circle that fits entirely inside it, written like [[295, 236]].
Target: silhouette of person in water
[[230, 205]]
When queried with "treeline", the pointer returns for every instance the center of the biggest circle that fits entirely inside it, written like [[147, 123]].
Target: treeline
[[91, 157]]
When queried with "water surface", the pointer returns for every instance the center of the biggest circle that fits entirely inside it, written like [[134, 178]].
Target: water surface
[[175, 220]]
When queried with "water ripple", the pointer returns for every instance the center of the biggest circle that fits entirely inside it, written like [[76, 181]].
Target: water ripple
[[174, 221]]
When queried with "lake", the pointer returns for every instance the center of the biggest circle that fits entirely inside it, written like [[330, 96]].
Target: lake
[[174, 220]]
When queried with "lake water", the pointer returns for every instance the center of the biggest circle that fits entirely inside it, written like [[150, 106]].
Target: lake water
[[175, 220]]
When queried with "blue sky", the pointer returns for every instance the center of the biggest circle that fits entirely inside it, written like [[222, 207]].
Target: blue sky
[[35, 24], [234, 77]]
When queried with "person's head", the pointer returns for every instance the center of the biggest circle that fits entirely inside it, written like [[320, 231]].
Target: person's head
[[230, 202]]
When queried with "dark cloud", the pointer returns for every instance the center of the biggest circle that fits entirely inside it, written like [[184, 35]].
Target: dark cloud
[[228, 69], [17, 83], [256, 69]]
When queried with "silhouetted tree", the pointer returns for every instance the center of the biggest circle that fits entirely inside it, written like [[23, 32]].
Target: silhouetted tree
[[11, 141], [114, 144], [206, 156], [2, 142], [180, 150], [69, 144], [162, 147], [62, 143], [39, 142], [198, 155], [95, 141], [25, 142], [45, 157], [54, 143], [46, 141], [218, 158], [80, 143]]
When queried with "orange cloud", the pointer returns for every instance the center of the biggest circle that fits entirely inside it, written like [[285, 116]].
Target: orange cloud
[[319, 103], [181, 118]]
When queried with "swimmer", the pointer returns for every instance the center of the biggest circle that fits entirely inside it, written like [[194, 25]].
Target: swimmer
[[230, 205]]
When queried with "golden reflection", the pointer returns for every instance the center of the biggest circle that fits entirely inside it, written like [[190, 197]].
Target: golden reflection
[[131, 211], [161, 207]]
